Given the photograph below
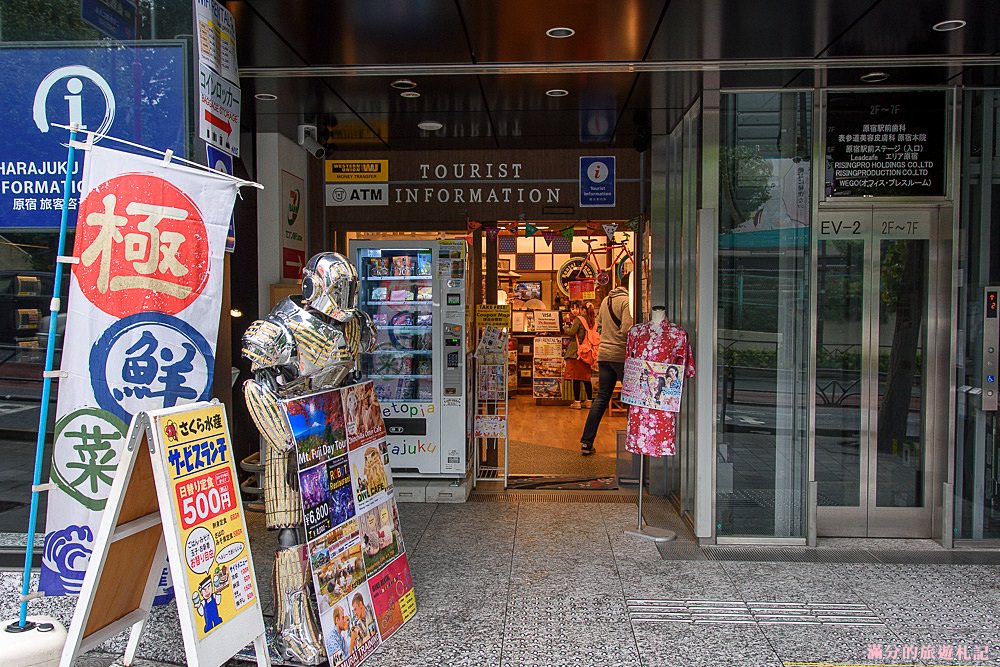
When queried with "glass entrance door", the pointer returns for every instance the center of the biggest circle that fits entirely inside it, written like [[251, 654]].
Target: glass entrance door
[[872, 353]]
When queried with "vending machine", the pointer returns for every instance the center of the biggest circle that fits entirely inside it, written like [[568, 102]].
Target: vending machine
[[415, 293]]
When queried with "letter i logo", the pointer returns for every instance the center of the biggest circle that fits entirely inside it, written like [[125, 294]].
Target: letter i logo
[[74, 87]]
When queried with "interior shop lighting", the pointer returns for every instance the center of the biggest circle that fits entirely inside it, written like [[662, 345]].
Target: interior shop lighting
[[265, 97], [409, 94], [430, 125], [875, 77], [557, 92], [235, 312], [403, 84], [949, 25], [560, 33]]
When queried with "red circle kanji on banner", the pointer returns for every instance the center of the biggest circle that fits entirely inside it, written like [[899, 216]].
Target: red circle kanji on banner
[[142, 246]]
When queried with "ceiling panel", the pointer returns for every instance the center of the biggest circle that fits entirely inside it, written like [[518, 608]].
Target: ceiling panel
[[586, 91], [470, 129], [898, 76], [512, 111], [713, 29], [515, 31], [349, 32], [369, 94], [904, 27]]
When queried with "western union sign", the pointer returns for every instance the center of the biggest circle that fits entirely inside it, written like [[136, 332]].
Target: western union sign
[[357, 171]]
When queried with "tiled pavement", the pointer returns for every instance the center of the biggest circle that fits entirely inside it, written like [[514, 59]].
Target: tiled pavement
[[549, 584]]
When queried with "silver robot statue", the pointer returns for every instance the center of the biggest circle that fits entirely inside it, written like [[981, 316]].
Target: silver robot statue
[[306, 344]]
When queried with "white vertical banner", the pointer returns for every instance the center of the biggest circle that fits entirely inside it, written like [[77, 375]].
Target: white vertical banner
[[141, 330]]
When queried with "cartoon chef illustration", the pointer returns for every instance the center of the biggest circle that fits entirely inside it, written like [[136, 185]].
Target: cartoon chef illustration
[[206, 601]]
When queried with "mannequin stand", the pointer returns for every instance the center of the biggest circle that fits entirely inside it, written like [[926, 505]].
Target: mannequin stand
[[645, 531]]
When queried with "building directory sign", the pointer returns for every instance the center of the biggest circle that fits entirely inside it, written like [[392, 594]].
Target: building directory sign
[[886, 144], [107, 90]]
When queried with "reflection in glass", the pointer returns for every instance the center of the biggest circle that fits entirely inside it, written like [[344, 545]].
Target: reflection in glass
[[839, 294], [397, 291], [977, 447], [763, 316], [902, 308]]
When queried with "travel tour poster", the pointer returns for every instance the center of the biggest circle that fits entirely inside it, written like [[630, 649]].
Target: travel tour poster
[[317, 423], [351, 521], [371, 474], [363, 414]]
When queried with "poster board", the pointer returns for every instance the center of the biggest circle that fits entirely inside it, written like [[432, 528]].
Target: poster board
[[547, 367], [175, 495], [491, 314], [360, 569], [547, 320], [653, 384]]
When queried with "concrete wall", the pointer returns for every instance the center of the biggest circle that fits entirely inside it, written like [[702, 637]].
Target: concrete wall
[[275, 153]]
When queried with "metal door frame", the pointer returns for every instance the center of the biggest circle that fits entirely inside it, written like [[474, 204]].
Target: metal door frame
[[872, 225]]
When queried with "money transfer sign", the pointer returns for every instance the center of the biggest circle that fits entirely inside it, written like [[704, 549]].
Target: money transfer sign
[[361, 574], [144, 304]]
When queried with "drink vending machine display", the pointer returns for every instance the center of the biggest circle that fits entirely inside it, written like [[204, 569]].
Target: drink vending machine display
[[415, 293]]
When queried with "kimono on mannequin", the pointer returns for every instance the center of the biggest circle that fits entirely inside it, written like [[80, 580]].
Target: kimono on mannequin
[[651, 432]]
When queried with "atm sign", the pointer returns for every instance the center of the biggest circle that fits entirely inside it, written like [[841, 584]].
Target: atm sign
[[357, 171]]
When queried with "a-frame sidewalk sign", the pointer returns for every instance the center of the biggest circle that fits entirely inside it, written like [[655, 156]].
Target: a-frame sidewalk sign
[[175, 495]]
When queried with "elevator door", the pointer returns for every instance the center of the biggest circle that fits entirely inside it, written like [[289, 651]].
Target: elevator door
[[872, 455]]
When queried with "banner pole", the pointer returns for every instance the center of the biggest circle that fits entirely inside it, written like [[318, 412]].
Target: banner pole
[[43, 417]]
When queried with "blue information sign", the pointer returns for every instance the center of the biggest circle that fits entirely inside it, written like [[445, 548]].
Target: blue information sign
[[128, 92], [597, 181], [219, 160]]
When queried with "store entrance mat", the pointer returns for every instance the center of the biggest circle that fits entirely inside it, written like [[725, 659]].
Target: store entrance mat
[[562, 482], [550, 496]]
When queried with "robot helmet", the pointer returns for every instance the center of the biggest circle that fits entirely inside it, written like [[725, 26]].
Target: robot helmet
[[330, 285]]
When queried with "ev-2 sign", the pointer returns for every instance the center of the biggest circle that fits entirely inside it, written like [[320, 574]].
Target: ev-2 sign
[[862, 224], [358, 194]]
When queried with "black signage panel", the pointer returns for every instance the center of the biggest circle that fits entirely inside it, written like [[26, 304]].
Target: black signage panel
[[886, 144]]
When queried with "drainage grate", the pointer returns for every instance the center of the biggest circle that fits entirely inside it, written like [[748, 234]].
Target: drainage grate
[[789, 555], [870, 556], [943, 557], [752, 613], [603, 497]]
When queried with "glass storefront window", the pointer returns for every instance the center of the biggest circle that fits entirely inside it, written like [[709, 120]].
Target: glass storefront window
[[763, 314], [132, 73], [977, 447]]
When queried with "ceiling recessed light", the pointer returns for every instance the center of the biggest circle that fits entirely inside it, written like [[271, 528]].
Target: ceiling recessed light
[[875, 77], [265, 97], [409, 94], [560, 33], [430, 125], [403, 84], [949, 25], [557, 92]]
